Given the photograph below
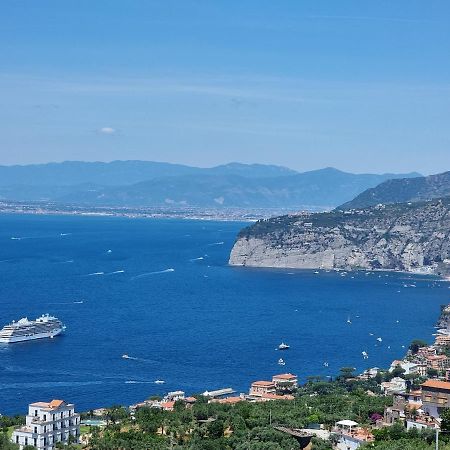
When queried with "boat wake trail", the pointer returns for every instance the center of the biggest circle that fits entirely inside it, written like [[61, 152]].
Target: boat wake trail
[[147, 274], [116, 271], [216, 243], [95, 273], [197, 259]]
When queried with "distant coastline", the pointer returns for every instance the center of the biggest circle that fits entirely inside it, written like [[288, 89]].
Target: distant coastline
[[157, 212]]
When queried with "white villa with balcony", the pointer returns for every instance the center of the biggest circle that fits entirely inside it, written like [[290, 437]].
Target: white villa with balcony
[[47, 424]]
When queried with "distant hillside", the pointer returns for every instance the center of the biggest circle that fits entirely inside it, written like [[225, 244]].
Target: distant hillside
[[403, 190], [140, 183], [118, 173], [404, 236]]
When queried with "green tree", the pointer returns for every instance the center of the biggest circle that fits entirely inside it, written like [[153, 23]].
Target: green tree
[[347, 372], [416, 344], [6, 444]]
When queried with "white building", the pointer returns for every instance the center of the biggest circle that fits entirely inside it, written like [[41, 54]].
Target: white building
[[48, 423], [395, 386], [350, 436], [408, 367], [174, 396]]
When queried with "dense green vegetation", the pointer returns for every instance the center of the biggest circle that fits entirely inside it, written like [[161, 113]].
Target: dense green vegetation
[[248, 426]]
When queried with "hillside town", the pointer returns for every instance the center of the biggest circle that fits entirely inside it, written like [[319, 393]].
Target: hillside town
[[414, 390]]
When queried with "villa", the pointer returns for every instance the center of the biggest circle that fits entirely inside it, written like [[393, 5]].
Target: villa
[[285, 382], [48, 423], [258, 388]]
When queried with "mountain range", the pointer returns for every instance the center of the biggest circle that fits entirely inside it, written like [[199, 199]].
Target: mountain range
[[146, 183]]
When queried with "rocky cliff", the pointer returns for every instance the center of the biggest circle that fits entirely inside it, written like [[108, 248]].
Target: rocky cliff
[[409, 237]]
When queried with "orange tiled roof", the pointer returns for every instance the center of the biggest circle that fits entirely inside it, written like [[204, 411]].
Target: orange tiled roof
[[263, 383], [436, 384], [53, 404], [285, 376], [167, 405], [56, 403]]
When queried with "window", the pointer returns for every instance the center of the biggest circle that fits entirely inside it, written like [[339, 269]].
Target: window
[[35, 442], [54, 415], [45, 417], [17, 439], [35, 429], [26, 441], [442, 400], [35, 413]]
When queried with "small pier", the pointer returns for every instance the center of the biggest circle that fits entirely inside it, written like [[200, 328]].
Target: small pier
[[219, 393]]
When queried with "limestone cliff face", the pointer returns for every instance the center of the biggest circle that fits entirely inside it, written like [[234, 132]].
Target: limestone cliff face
[[410, 237]]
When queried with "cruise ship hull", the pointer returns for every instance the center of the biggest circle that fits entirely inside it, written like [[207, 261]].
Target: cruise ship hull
[[46, 335]]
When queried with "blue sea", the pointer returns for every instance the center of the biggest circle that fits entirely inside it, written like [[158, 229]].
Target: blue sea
[[161, 292]]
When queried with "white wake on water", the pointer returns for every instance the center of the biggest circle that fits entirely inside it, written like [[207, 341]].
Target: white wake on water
[[147, 274]]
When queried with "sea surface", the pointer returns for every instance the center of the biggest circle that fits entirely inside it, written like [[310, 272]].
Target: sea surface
[[161, 292]]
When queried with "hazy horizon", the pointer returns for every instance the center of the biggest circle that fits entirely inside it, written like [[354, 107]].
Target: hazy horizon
[[205, 166], [361, 87]]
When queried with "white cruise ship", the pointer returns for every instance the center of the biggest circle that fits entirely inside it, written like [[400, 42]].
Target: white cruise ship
[[26, 330]]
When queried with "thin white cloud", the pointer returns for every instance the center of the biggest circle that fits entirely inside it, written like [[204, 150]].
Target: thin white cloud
[[107, 130]]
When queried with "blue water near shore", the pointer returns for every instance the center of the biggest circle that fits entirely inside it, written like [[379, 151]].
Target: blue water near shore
[[161, 292]]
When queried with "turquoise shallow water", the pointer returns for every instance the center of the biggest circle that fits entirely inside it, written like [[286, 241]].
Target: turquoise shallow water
[[161, 292]]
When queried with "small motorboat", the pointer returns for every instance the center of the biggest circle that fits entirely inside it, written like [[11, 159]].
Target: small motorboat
[[283, 346], [281, 362], [159, 381], [125, 356]]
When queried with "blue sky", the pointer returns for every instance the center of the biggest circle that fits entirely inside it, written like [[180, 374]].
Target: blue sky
[[359, 85]]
